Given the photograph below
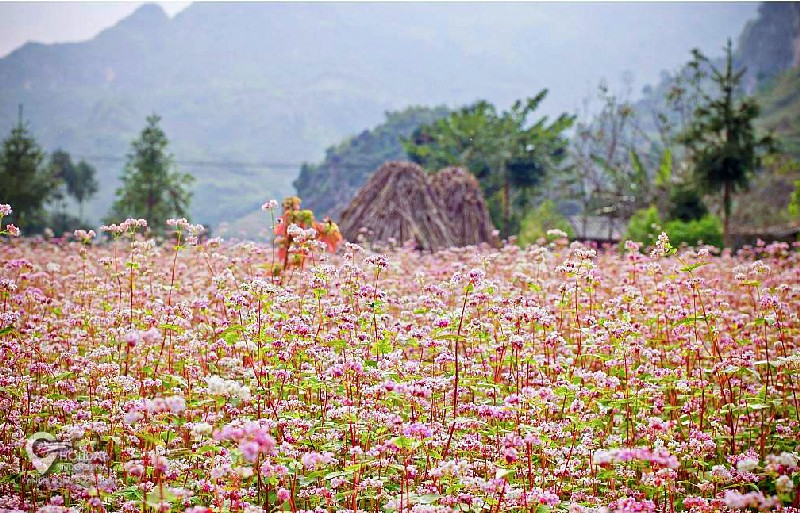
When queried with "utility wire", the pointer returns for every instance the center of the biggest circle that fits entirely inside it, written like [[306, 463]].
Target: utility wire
[[221, 164], [204, 163]]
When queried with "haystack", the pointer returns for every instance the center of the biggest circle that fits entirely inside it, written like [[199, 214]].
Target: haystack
[[461, 201], [397, 203]]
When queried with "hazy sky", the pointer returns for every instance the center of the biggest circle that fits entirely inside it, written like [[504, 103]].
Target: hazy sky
[[56, 22]]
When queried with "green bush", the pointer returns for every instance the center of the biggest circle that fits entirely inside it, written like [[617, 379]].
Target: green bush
[[645, 226], [707, 230], [537, 221]]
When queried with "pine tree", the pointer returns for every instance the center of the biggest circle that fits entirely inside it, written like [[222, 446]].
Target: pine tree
[[25, 182], [721, 139], [151, 187]]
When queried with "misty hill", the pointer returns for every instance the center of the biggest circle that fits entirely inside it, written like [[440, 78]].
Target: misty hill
[[768, 48], [275, 84]]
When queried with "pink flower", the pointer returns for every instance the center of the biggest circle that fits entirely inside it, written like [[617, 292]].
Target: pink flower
[[249, 450], [283, 495], [134, 468], [12, 230]]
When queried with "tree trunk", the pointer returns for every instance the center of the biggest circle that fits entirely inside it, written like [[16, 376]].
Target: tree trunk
[[726, 214], [507, 206]]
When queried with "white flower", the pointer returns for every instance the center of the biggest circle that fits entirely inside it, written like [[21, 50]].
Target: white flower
[[218, 386], [784, 484], [747, 464], [243, 393], [788, 460], [200, 429]]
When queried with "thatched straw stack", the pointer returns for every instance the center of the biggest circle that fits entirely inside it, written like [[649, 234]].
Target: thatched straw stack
[[461, 200], [397, 203]]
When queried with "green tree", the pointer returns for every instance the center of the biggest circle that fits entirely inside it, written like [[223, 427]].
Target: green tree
[[508, 152], [25, 182], [721, 139], [78, 180], [151, 187], [81, 183], [61, 166]]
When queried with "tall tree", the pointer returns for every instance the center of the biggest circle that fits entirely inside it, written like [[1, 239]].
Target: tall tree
[[152, 189], [721, 139], [74, 180], [61, 166], [25, 182], [508, 152], [81, 183]]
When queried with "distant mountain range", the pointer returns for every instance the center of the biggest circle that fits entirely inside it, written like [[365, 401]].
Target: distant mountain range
[[248, 91]]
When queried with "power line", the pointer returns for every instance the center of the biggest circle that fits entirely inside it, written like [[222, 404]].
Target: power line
[[228, 164], [205, 163]]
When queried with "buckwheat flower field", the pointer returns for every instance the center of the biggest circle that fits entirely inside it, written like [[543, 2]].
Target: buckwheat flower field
[[552, 378]]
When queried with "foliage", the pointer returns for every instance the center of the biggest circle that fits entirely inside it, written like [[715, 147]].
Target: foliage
[[508, 152], [25, 180], [779, 107], [81, 183], [329, 186], [646, 225], [79, 180], [151, 188], [791, 167], [537, 222], [721, 139], [764, 207], [706, 230], [685, 203]]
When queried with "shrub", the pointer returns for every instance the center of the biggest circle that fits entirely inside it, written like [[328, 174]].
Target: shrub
[[707, 230], [545, 217], [646, 224]]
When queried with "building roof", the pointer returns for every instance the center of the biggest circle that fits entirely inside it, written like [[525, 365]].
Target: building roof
[[597, 228]]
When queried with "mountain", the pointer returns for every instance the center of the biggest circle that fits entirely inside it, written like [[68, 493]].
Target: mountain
[[249, 91], [780, 109], [770, 44], [767, 47]]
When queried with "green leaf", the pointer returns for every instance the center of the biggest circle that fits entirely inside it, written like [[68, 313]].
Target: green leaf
[[692, 267], [402, 442], [428, 498], [171, 327]]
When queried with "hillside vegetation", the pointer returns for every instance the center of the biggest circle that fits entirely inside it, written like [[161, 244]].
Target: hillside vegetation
[[328, 187], [780, 109]]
